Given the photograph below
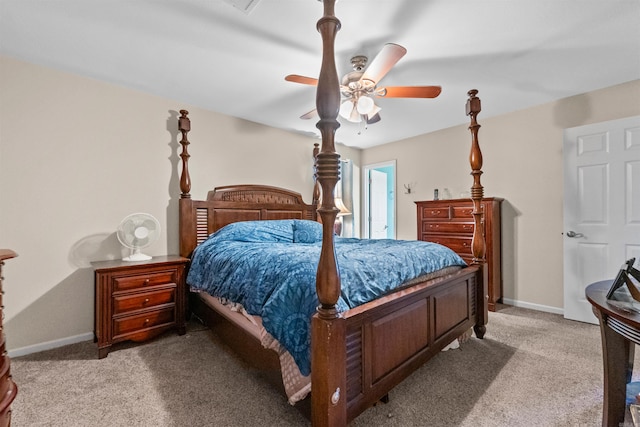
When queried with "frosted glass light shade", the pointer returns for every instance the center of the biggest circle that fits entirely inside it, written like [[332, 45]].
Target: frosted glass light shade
[[365, 105], [345, 109]]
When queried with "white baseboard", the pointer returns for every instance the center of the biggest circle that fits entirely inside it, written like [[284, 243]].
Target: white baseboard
[[36, 348], [539, 307]]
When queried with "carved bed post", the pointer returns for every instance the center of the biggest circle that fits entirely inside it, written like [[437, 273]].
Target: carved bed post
[[187, 234], [328, 355], [184, 125], [316, 186], [478, 245]]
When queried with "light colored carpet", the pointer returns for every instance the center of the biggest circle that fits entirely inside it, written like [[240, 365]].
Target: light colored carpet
[[532, 369]]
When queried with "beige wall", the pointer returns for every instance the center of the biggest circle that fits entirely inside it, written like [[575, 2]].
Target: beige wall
[[78, 155], [523, 164]]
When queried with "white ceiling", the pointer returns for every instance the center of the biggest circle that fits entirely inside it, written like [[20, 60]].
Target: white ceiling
[[517, 53]]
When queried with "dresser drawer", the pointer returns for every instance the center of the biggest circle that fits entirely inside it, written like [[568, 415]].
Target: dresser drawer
[[460, 245], [435, 212], [462, 212], [447, 227], [125, 283], [128, 303], [135, 323]]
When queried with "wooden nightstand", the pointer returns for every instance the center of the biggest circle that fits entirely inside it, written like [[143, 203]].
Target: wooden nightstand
[[136, 301]]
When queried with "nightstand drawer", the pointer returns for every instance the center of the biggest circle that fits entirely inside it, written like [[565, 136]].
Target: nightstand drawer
[[125, 283], [128, 324], [447, 227], [128, 303]]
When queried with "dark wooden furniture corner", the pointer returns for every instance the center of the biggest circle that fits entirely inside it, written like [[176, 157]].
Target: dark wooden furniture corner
[[450, 223], [620, 330], [8, 388], [136, 301]]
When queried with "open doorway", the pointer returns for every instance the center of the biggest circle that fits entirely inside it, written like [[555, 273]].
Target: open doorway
[[379, 200]]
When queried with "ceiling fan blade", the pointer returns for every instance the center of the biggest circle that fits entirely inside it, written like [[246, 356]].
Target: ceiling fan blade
[[374, 119], [383, 62], [412, 91], [310, 115], [301, 79]]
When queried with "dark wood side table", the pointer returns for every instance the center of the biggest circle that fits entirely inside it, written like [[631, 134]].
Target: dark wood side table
[[620, 330], [8, 389], [138, 300]]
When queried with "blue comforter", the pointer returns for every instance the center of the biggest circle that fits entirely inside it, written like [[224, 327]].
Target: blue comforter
[[270, 268]]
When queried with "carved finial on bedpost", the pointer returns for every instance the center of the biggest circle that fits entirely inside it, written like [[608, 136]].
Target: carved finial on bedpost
[[184, 125], [316, 184]]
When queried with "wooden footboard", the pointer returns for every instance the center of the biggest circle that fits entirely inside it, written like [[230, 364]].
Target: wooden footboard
[[385, 340], [389, 338]]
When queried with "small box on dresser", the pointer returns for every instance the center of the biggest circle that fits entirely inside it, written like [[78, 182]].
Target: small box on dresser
[[136, 301], [8, 388], [450, 223]]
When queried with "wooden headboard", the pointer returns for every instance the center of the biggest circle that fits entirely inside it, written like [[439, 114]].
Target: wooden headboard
[[234, 203]]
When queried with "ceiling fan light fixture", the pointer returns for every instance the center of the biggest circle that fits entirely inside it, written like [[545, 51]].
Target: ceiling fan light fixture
[[345, 109], [375, 110], [365, 105], [380, 91], [355, 116]]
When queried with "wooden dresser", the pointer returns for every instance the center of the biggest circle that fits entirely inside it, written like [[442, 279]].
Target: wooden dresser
[[138, 300], [8, 388], [450, 223]]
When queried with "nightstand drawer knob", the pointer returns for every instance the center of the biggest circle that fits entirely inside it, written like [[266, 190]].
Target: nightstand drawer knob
[[146, 321], [146, 300], [146, 282]]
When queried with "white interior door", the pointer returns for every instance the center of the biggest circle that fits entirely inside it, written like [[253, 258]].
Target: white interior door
[[379, 209], [601, 207], [378, 197]]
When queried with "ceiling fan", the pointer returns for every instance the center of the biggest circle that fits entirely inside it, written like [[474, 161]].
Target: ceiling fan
[[361, 86]]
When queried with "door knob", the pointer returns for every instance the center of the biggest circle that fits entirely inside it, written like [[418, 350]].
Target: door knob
[[574, 234]]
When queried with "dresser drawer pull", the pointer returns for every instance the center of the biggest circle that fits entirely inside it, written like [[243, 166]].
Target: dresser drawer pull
[[146, 282], [434, 226], [146, 301], [467, 227], [435, 212], [146, 321]]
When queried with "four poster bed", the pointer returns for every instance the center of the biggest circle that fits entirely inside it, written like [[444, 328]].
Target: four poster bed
[[358, 351]]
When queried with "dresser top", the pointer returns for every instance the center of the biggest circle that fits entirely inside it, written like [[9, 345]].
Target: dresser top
[[465, 200]]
